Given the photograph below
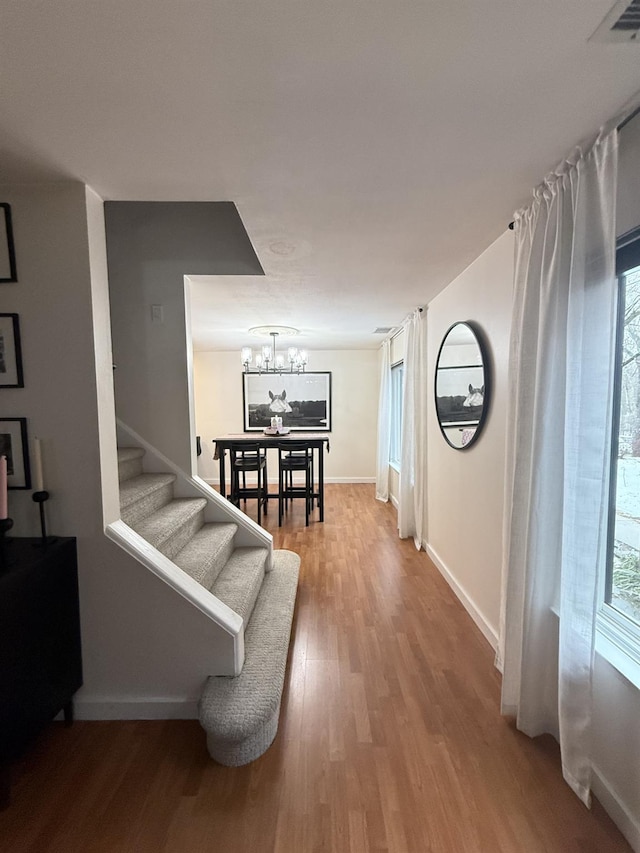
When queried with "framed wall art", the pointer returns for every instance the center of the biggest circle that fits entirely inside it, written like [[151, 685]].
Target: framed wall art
[[7, 252], [14, 445], [302, 400], [10, 352]]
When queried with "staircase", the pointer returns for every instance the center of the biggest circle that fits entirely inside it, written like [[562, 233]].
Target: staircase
[[240, 714]]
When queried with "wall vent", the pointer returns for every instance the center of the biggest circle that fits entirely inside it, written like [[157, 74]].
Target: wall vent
[[382, 330], [622, 24]]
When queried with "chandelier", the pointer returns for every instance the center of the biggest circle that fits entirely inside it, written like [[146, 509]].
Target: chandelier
[[267, 360]]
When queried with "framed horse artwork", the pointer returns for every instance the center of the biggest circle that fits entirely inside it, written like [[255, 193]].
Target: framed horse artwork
[[302, 400]]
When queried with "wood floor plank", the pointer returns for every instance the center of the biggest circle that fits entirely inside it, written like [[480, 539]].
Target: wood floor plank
[[390, 735]]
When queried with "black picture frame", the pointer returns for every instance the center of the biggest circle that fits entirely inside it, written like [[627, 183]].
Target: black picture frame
[[15, 446], [10, 352], [302, 400], [8, 271]]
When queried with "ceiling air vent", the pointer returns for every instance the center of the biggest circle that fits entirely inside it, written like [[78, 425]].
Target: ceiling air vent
[[622, 24], [382, 330]]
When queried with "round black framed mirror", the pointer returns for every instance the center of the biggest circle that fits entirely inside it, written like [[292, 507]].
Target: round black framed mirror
[[462, 385]]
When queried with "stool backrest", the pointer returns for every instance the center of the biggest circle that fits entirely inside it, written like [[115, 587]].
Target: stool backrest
[[245, 451], [300, 448]]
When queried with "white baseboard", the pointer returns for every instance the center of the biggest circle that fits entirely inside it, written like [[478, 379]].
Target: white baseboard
[[132, 709], [394, 501], [349, 480], [467, 602], [627, 823]]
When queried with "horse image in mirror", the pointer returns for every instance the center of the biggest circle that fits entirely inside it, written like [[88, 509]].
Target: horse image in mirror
[[475, 398], [279, 403]]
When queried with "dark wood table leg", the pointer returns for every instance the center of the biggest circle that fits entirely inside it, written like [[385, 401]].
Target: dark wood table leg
[[223, 481], [321, 481]]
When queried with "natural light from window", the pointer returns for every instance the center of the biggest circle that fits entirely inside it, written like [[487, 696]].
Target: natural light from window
[[396, 414], [624, 574]]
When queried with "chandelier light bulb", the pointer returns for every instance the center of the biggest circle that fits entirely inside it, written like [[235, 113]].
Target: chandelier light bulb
[[267, 359]]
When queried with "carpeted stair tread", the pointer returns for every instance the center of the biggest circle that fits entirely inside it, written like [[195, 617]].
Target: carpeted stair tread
[[240, 715], [206, 554], [161, 526], [140, 487], [239, 582]]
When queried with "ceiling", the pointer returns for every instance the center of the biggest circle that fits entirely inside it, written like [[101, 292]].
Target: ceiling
[[374, 148]]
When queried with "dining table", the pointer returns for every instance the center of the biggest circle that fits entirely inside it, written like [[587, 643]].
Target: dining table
[[315, 440]]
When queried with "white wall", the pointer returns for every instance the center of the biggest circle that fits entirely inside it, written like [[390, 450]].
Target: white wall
[[145, 651], [354, 413], [465, 487], [53, 299]]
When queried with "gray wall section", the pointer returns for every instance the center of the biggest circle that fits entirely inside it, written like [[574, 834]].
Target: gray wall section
[[202, 238], [151, 246]]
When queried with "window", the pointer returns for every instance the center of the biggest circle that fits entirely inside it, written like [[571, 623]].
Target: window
[[397, 373], [620, 617]]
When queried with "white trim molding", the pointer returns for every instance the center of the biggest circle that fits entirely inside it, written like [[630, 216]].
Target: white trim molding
[[467, 602], [627, 823], [617, 641], [157, 708]]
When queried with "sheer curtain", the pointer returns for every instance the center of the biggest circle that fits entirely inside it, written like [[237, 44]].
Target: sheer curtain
[[558, 453], [413, 454], [384, 424]]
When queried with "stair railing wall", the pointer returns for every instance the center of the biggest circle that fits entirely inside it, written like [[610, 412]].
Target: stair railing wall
[[227, 641], [218, 509]]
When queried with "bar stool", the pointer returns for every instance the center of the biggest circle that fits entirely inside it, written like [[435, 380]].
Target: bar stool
[[248, 457], [290, 473], [294, 456]]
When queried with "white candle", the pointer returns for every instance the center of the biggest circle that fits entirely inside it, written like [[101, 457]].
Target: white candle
[[38, 480], [4, 503]]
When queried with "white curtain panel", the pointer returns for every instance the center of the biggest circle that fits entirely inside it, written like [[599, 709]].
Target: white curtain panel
[[558, 451], [384, 424], [413, 451]]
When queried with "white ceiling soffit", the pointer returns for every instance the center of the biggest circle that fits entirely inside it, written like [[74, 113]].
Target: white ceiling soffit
[[374, 148], [621, 25]]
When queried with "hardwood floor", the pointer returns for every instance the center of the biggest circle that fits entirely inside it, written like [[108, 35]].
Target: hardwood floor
[[390, 736]]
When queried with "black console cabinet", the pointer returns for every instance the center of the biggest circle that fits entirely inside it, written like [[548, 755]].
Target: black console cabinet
[[40, 658]]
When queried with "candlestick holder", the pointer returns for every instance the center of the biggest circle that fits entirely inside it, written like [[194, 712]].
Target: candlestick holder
[[5, 526], [40, 498]]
